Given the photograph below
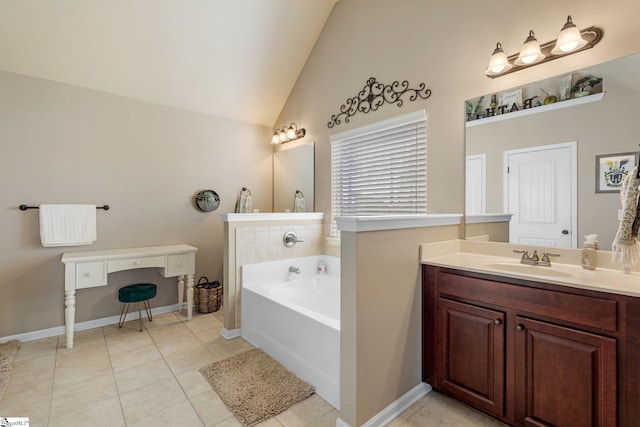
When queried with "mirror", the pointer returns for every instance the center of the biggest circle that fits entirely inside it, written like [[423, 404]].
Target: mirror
[[604, 127], [293, 170]]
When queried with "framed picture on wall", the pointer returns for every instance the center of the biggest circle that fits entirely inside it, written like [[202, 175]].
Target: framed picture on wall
[[611, 169]]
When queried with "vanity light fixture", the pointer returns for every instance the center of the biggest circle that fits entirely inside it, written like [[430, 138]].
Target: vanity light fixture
[[570, 40], [287, 133]]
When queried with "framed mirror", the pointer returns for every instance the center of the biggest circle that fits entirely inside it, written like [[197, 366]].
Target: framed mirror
[[293, 178], [584, 133]]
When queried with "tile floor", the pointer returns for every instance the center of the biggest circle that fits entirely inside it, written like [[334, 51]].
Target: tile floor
[[122, 377]]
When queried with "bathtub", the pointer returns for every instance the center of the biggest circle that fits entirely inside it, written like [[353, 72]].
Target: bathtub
[[295, 318]]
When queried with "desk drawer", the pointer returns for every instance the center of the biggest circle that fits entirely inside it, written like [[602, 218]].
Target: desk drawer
[[89, 274], [177, 265], [130, 263]]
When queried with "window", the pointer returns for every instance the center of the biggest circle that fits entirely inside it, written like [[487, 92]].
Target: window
[[380, 169]]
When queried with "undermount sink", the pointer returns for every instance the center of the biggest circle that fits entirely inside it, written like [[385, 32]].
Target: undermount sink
[[535, 270]]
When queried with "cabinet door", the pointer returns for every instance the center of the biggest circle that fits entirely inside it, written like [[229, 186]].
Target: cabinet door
[[564, 377], [470, 354]]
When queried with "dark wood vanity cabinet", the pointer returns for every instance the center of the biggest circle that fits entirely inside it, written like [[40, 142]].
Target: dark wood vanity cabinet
[[529, 353]]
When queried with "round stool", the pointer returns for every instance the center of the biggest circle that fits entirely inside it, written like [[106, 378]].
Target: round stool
[[140, 293]]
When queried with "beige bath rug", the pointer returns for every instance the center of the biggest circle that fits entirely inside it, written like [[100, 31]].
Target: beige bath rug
[[254, 386], [7, 351]]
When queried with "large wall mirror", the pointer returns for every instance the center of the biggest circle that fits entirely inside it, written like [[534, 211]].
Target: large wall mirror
[[576, 136], [293, 171]]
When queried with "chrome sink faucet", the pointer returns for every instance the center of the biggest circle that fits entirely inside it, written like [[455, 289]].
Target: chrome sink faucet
[[531, 258], [294, 269]]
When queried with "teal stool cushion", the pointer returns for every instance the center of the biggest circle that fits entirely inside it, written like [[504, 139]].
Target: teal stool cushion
[[136, 293]]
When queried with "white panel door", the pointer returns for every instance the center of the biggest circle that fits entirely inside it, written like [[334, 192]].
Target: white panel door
[[541, 194], [475, 187]]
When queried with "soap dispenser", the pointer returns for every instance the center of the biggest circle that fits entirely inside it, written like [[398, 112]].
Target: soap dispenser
[[589, 252]]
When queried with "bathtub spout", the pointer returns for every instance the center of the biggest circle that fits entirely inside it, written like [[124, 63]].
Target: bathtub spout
[[294, 269]]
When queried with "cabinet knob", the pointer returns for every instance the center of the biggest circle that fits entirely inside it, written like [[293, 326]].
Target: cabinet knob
[[497, 322], [519, 328]]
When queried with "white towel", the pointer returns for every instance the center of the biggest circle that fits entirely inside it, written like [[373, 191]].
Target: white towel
[[67, 225]]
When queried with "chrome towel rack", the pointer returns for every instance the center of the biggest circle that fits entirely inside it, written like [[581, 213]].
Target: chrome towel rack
[[25, 207]]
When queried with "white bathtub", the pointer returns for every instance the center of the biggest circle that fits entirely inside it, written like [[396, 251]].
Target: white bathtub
[[295, 318]]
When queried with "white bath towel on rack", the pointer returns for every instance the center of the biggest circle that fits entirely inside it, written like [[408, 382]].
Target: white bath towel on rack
[[67, 225]]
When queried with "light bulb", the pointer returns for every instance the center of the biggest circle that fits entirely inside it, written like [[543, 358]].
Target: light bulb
[[275, 139], [569, 39], [530, 52], [498, 62], [291, 134], [283, 136]]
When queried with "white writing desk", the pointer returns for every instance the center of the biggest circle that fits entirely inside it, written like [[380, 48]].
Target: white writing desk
[[90, 269]]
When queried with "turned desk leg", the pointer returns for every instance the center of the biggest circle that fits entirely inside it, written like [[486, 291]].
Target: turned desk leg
[[189, 296], [69, 315], [180, 293]]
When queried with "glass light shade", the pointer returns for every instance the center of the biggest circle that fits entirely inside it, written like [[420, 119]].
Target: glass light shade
[[291, 133], [275, 139], [530, 52], [498, 62], [569, 39], [283, 136]]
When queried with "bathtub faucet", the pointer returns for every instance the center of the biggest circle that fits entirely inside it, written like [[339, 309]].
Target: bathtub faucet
[[294, 269]]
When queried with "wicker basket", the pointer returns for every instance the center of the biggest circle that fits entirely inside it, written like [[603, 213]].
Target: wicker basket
[[207, 295]]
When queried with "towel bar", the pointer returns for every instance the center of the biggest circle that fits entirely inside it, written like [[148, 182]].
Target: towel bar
[[25, 207]]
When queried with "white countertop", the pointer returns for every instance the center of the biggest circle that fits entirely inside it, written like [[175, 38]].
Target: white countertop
[[498, 259]]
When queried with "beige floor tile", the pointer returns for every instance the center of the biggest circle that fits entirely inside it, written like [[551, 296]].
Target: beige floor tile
[[170, 333], [180, 414], [89, 337], [326, 420], [202, 322], [210, 408], [142, 375], [272, 422], [135, 357], [144, 401], [163, 320], [178, 344], [223, 348], [209, 334], [304, 412], [105, 413], [36, 348], [230, 422], [193, 383], [81, 364], [190, 359], [127, 341], [72, 395]]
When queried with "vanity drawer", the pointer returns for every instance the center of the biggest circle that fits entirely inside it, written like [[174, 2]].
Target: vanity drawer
[[89, 274], [177, 265], [130, 263], [587, 310]]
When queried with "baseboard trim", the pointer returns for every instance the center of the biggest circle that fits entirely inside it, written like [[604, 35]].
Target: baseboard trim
[[396, 407], [82, 326], [229, 334]]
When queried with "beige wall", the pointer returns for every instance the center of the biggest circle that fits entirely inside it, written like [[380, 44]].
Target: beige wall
[[446, 46], [380, 336], [65, 144], [495, 231]]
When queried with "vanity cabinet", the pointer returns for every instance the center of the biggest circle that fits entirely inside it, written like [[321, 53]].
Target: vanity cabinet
[[531, 353]]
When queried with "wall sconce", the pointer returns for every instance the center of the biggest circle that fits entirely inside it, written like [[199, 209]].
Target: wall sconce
[[288, 133], [570, 40]]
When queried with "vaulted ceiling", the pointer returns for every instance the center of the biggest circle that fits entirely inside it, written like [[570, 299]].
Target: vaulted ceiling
[[237, 59]]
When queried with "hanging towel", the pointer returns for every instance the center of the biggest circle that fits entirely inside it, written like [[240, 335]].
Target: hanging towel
[[625, 247], [67, 225], [243, 205], [298, 202]]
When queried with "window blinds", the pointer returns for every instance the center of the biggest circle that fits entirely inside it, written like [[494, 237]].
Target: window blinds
[[380, 170]]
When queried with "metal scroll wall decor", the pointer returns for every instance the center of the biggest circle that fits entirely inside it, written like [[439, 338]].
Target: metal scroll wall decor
[[374, 94]]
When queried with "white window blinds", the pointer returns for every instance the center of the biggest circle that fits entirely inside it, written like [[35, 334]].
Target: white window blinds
[[380, 169]]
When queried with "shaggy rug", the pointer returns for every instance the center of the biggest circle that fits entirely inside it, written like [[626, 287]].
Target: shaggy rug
[[7, 351], [254, 386]]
